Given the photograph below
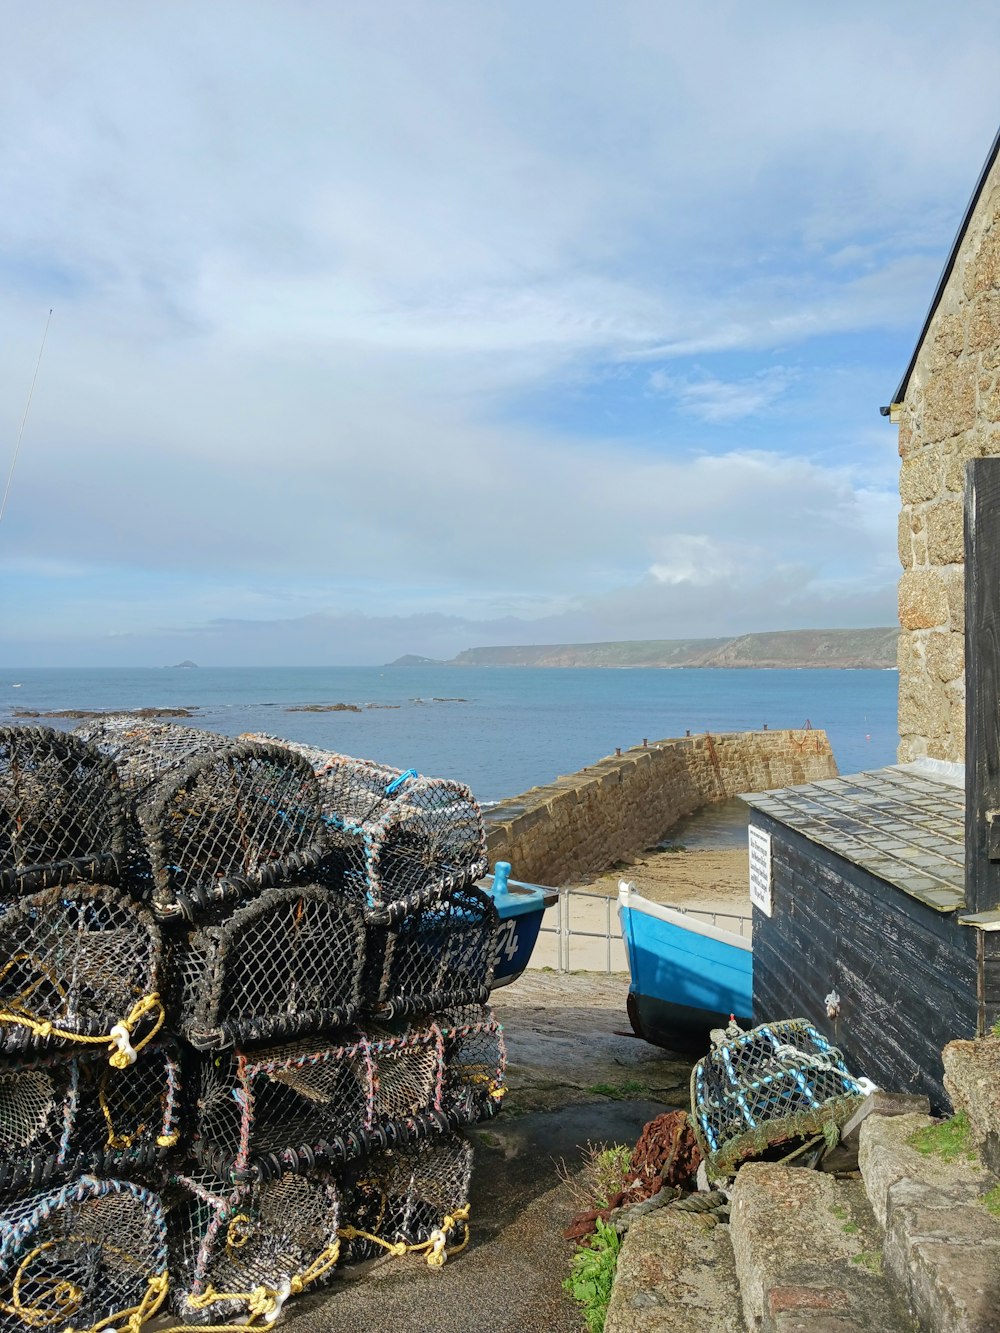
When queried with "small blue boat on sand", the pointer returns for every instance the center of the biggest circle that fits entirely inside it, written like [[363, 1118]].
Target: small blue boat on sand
[[688, 975], [520, 908]]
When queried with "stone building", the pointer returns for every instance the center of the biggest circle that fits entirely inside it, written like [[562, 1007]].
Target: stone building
[[948, 410]]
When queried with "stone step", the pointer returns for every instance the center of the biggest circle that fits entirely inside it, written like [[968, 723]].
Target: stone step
[[808, 1254], [676, 1274], [942, 1245]]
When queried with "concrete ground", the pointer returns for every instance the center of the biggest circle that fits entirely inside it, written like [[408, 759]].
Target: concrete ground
[[574, 1078]]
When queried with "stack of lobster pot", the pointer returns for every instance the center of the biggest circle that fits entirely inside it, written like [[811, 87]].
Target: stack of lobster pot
[[408, 850], [322, 1091], [90, 1092]]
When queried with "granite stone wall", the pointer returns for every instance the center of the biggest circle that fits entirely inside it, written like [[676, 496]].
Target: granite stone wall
[[583, 823], [951, 413]]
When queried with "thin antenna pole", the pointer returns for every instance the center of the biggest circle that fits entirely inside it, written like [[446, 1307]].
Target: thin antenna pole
[[20, 433]]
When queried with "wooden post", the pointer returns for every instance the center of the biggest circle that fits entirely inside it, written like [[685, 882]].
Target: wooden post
[[982, 684]]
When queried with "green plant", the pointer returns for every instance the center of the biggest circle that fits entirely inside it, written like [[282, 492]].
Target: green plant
[[629, 1087], [610, 1167], [949, 1140], [991, 1201], [592, 1274], [869, 1259], [605, 1172]]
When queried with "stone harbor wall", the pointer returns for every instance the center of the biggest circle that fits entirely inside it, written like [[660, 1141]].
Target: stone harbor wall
[[951, 413], [583, 823]]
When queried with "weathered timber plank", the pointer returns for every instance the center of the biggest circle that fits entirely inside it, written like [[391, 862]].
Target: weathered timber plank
[[982, 679], [907, 976]]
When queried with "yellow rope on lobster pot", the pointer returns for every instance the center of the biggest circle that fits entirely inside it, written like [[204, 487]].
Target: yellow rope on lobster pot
[[435, 1246], [121, 1052]]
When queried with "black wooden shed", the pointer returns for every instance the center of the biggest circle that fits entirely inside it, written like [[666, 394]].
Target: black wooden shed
[[877, 896]]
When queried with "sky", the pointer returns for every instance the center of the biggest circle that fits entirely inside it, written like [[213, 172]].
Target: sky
[[406, 328]]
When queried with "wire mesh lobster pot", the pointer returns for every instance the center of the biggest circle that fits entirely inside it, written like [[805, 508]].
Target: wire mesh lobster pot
[[264, 1112], [143, 753], [64, 1116], [404, 1195], [77, 961], [62, 817], [475, 1063], [285, 1108], [228, 823], [288, 963], [425, 955], [394, 834], [90, 1253], [273, 1238], [761, 1092]]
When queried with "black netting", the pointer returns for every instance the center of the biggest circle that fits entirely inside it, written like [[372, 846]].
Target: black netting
[[394, 834], [475, 1063], [288, 963], [262, 1112], [242, 1239], [768, 1087], [425, 955], [78, 958], [144, 753], [228, 824], [91, 1251], [407, 1072], [61, 811], [61, 1116], [211, 820], [282, 1108], [404, 1194]]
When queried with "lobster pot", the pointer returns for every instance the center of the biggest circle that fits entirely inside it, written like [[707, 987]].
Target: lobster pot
[[288, 963], [283, 1108], [227, 824], [425, 955], [143, 753], [63, 1116], [396, 834], [92, 1251], [82, 958], [61, 812], [405, 1194], [475, 1062], [407, 1074], [766, 1089], [237, 1240]]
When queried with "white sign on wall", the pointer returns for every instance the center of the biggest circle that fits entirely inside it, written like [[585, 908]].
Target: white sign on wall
[[760, 869]]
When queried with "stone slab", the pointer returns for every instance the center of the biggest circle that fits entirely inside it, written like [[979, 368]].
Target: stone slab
[[886, 1156], [675, 1275], [972, 1081], [942, 1246], [807, 1254]]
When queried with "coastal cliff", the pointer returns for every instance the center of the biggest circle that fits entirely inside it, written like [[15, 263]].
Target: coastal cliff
[[839, 648]]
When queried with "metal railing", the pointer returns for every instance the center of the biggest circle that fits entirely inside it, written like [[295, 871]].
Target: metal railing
[[565, 931]]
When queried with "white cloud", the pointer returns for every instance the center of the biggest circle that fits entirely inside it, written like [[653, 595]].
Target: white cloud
[[715, 400], [309, 263]]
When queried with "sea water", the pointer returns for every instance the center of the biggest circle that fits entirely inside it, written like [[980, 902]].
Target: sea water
[[500, 729]]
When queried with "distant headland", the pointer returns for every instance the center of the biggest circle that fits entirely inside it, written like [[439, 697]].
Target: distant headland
[[874, 649]]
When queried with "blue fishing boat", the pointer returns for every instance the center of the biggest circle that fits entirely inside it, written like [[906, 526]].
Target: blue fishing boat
[[520, 908], [688, 975]]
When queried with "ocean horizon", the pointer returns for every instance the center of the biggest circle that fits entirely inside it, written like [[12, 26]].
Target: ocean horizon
[[499, 729]]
